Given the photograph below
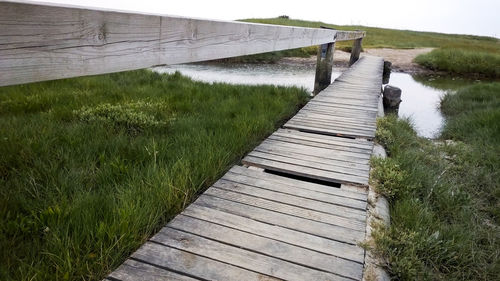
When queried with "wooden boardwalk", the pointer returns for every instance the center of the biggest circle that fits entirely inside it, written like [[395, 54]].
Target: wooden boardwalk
[[298, 217]]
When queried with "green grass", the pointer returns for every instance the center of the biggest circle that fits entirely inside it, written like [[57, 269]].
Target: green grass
[[462, 62], [90, 167], [444, 198]]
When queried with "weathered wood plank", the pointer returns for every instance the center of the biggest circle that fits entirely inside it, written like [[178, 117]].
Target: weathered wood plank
[[353, 120], [193, 265], [338, 106], [345, 121], [325, 121], [360, 143], [308, 241], [347, 36], [239, 257], [288, 155], [132, 270], [347, 103], [310, 143], [329, 231], [362, 114], [311, 151], [312, 162], [303, 168], [287, 194], [270, 247], [262, 179], [49, 41], [247, 195], [353, 210], [307, 127]]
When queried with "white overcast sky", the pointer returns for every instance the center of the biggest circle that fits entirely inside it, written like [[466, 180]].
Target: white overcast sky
[[478, 17]]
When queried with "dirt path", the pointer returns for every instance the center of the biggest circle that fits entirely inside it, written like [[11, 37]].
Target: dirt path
[[401, 59]]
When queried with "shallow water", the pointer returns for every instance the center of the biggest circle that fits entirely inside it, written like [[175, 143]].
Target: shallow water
[[251, 74], [420, 94]]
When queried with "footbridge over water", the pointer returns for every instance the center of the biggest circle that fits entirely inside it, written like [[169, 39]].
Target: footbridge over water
[[296, 207]]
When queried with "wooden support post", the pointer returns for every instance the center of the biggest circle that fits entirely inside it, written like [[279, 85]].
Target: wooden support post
[[324, 65], [387, 72], [355, 51]]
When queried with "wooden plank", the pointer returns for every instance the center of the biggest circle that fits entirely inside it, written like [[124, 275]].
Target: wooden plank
[[286, 193], [132, 270], [360, 116], [263, 178], [314, 116], [236, 256], [332, 125], [248, 195], [288, 155], [295, 159], [325, 120], [193, 265], [347, 36], [308, 128], [368, 114], [320, 229], [292, 140], [52, 41], [342, 119], [347, 102], [304, 169], [360, 143], [354, 157], [339, 106], [340, 114], [307, 241], [269, 247]]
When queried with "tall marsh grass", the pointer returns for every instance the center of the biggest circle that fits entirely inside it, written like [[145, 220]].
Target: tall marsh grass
[[445, 195], [462, 62], [90, 167]]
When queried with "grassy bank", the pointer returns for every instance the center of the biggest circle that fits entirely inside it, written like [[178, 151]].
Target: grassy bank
[[462, 62], [92, 166], [444, 197]]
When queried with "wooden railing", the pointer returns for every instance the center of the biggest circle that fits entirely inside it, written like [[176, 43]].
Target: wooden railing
[[44, 42]]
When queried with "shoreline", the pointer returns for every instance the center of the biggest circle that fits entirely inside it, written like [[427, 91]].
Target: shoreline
[[401, 59]]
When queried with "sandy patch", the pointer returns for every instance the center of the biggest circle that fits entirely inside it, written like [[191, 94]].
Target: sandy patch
[[401, 59]]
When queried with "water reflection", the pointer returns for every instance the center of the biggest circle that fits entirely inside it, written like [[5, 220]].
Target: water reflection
[[420, 103], [252, 74], [421, 94]]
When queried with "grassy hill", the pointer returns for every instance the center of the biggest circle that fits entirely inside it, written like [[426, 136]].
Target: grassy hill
[[395, 38]]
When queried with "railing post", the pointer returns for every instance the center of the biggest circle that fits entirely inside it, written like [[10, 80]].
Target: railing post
[[355, 51], [324, 65]]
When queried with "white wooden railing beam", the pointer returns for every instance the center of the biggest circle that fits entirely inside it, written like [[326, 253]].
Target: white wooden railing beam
[[44, 42]]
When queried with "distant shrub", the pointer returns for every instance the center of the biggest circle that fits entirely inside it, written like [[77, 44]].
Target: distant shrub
[[284, 17], [462, 61]]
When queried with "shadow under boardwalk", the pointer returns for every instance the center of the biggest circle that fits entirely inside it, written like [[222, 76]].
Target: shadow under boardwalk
[[255, 225]]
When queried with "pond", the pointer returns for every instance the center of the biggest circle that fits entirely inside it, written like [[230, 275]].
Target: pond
[[420, 94]]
